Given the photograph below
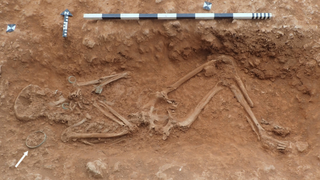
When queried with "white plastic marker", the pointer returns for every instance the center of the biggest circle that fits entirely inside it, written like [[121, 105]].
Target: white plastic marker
[[24, 155]]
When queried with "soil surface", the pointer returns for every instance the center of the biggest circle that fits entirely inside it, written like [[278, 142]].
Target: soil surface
[[277, 60]]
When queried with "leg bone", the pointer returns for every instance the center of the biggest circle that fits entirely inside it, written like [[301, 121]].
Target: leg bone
[[107, 114], [97, 135], [280, 145], [229, 60], [185, 78], [68, 134], [195, 113], [164, 93], [252, 126], [243, 102], [243, 89], [99, 88], [96, 81], [115, 113]]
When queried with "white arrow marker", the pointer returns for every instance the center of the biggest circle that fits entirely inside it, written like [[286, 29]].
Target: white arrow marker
[[24, 155]]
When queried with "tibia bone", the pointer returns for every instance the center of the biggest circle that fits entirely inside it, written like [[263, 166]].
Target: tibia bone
[[244, 104], [195, 113]]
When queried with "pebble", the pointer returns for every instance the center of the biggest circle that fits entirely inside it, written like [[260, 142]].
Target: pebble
[[38, 177], [48, 166], [256, 61], [268, 169], [291, 36], [209, 71], [12, 163], [302, 146], [116, 167], [96, 169], [134, 175], [317, 58], [309, 64], [158, 1], [176, 24], [88, 116], [88, 42], [169, 7]]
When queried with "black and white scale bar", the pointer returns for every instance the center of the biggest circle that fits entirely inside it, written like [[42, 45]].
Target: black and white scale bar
[[165, 16]]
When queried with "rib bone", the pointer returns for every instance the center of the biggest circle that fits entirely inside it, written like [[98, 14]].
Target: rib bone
[[79, 123]]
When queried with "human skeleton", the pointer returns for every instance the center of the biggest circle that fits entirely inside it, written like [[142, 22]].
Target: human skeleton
[[229, 79]]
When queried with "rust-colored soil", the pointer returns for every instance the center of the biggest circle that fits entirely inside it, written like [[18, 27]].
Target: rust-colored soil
[[277, 60]]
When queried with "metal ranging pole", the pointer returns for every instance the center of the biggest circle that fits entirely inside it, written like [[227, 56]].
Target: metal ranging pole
[[66, 13], [168, 16]]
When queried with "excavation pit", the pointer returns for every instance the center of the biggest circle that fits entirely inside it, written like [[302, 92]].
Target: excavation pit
[[151, 99]]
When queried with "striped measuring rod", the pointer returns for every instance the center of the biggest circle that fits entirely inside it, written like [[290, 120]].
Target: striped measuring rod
[[66, 13], [168, 16]]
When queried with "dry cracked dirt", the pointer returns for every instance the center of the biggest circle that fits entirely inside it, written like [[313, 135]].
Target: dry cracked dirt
[[110, 103]]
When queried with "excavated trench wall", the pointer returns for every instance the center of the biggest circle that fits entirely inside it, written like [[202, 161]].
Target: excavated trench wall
[[267, 54]]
